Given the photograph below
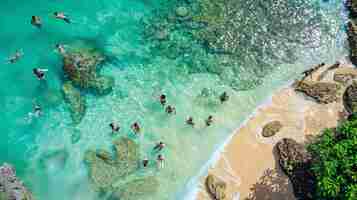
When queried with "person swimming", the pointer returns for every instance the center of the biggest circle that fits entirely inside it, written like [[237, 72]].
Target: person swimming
[[36, 21], [160, 161], [114, 127], [209, 120], [60, 48], [37, 111], [224, 97], [163, 99], [62, 16], [135, 127], [13, 59], [145, 162], [39, 73], [190, 122], [170, 110], [159, 146]]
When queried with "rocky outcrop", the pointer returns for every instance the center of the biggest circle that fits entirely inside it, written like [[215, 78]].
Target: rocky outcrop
[[352, 7], [350, 98], [296, 161], [352, 40], [215, 187], [322, 92], [115, 173], [12, 188], [75, 101], [345, 75], [271, 128]]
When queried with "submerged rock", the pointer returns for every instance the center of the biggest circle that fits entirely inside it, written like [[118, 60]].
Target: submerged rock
[[12, 188], [75, 101], [322, 92], [82, 68], [350, 98], [271, 128], [215, 187], [352, 40], [135, 189], [296, 161], [54, 160], [182, 11], [105, 169]]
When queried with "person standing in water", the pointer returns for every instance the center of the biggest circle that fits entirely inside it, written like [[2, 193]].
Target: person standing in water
[[160, 161], [145, 162], [163, 99], [190, 122], [209, 120], [36, 21], [224, 97], [115, 128], [170, 109], [37, 110], [13, 59], [159, 146], [62, 16], [136, 128], [60, 48]]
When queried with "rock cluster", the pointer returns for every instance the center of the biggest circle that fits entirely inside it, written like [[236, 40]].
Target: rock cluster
[[352, 29], [271, 128], [296, 161], [215, 187], [11, 188], [350, 98], [115, 173], [345, 76], [322, 92]]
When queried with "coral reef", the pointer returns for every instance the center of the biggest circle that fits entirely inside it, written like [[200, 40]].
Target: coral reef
[[75, 100], [12, 188]]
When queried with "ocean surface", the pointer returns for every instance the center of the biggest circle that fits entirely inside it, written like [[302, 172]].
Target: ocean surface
[[142, 72]]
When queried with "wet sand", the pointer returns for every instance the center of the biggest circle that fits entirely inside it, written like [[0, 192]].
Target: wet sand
[[248, 164]]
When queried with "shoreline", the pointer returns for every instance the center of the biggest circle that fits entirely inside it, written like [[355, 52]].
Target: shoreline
[[216, 155], [227, 148]]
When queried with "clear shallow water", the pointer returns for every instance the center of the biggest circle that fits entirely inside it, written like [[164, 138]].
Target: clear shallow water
[[115, 27]]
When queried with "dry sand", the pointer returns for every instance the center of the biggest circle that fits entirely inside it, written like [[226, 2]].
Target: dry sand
[[247, 163]]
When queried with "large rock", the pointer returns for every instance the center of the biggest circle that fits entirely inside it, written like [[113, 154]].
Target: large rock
[[322, 92], [75, 101], [352, 8], [271, 128], [215, 187], [296, 161], [350, 98], [352, 40], [12, 188]]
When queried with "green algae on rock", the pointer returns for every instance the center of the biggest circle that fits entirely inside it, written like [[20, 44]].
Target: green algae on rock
[[75, 100], [216, 188], [116, 173]]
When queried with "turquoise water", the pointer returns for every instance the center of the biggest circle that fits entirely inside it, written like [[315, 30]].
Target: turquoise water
[[115, 27]]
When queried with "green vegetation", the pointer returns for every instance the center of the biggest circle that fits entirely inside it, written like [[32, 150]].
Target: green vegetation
[[335, 167]]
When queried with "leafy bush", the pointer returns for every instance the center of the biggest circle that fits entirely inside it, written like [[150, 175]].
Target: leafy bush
[[335, 166]]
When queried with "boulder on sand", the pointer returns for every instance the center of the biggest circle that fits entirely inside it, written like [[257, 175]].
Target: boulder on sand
[[271, 128], [215, 187], [296, 161]]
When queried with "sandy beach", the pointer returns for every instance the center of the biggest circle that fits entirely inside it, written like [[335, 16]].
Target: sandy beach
[[248, 163]]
